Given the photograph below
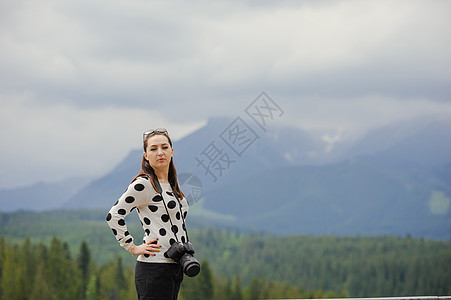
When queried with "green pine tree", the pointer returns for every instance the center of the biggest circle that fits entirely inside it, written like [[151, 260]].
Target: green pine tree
[[13, 273], [237, 291], [205, 282], [92, 289], [62, 272], [254, 290], [40, 289], [84, 261]]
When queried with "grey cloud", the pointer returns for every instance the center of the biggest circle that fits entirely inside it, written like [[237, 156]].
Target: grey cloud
[[188, 61], [127, 54]]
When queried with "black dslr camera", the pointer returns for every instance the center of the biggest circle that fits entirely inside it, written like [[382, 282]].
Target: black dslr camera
[[183, 254]]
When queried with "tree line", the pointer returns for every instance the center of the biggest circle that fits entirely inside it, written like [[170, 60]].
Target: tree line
[[39, 271], [355, 266], [359, 266]]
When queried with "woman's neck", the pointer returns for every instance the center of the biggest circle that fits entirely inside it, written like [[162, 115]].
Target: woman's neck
[[162, 175]]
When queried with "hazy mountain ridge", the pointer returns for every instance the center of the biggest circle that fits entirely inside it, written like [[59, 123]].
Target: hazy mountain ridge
[[382, 183], [41, 196], [421, 142], [319, 200]]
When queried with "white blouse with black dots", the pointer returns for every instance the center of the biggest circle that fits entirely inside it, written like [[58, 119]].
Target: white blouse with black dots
[[153, 215]]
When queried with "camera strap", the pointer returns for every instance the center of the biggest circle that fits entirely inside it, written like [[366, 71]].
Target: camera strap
[[160, 190]]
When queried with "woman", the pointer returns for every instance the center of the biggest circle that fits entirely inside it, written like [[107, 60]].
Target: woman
[[162, 208]]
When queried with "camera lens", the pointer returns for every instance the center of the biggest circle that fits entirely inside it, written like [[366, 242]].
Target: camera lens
[[191, 266]]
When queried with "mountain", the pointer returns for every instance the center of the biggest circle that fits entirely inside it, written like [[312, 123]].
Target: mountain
[[351, 197], [420, 142], [394, 180], [40, 196], [261, 155], [103, 192]]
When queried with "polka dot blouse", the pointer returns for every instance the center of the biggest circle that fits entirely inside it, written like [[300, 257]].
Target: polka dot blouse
[[153, 210]]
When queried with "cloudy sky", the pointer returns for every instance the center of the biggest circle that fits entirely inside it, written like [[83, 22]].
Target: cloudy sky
[[80, 80]]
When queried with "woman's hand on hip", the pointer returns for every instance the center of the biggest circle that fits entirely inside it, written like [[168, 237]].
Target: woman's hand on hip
[[146, 248]]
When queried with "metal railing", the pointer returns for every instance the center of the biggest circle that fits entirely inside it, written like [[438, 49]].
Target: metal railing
[[387, 298]]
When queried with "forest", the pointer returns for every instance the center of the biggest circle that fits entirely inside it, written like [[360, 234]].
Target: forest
[[51, 272], [57, 256]]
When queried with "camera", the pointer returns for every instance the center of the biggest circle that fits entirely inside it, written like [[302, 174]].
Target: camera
[[183, 254]]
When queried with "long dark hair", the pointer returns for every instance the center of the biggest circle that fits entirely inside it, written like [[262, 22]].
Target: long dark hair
[[147, 170]]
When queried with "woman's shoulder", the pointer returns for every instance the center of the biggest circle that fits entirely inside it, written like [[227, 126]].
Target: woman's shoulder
[[142, 177], [141, 182]]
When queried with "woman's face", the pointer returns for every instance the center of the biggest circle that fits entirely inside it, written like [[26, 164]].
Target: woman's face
[[158, 152]]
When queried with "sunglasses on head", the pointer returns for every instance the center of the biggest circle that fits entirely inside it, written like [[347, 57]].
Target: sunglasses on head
[[153, 131]]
